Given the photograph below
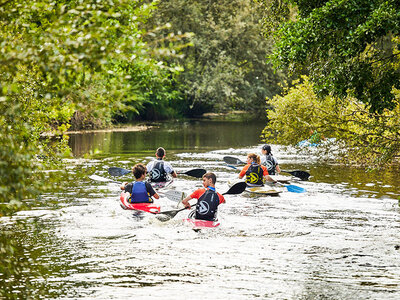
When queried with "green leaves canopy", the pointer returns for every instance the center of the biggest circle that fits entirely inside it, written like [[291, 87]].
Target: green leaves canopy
[[57, 57], [346, 47]]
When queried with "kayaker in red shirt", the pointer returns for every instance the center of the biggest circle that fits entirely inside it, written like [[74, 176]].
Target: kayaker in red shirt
[[208, 199], [255, 173]]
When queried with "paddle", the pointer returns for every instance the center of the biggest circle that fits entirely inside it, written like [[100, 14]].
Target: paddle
[[198, 173], [230, 160], [303, 175], [293, 188], [234, 190], [115, 171], [102, 179], [174, 195]]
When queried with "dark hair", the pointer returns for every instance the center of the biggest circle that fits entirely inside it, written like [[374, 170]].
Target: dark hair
[[267, 148], [160, 152], [138, 170], [254, 157], [212, 176]]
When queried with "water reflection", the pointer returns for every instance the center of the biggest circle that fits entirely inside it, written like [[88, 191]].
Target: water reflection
[[173, 136]]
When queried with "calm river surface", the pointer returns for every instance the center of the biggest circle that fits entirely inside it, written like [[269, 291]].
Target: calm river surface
[[339, 240]]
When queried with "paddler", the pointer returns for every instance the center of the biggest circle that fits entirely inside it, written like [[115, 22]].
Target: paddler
[[255, 173], [140, 190], [159, 169], [268, 160], [207, 199]]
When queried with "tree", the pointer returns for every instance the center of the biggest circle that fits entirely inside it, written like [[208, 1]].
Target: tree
[[348, 48], [362, 137], [57, 58], [225, 68]]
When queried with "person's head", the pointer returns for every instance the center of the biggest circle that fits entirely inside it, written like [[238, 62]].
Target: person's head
[[266, 149], [209, 179], [160, 153], [252, 157], [139, 170]]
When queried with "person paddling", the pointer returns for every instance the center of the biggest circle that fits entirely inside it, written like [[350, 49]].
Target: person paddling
[[159, 169], [207, 199], [255, 173], [141, 191], [269, 161]]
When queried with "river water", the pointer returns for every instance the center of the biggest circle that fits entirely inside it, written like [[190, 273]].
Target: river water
[[339, 240]]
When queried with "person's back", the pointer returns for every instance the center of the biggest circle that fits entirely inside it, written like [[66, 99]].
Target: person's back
[[159, 169], [269, 161], [141, 191]]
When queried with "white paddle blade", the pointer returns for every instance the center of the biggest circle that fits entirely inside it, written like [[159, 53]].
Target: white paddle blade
[[174, 195], [99, 178]]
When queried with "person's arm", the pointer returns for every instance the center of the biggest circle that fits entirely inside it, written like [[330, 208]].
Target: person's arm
[[243, 172], [266, 175], [278, 170], [123, 185], [169, 169], [185, 201], [195, 195], [173, 174], [151, 191]]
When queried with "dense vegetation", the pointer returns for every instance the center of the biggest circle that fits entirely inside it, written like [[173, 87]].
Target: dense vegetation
[[226, 66], [350, 51]]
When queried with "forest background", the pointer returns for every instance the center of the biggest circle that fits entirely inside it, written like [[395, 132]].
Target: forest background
[[330, 67]]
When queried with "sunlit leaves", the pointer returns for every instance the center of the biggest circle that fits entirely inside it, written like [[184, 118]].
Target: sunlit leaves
[[369, 139], [346, 47]]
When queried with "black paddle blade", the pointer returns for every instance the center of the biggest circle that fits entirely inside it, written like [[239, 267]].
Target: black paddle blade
[[165, 216], [237, 188], [303, 175], [230, 160], [115, 171], [198, 173]]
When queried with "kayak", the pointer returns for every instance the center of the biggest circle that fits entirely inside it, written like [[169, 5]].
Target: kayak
[[147, 207], [281, 178], [195, 223], [160, 185], [262, 190]]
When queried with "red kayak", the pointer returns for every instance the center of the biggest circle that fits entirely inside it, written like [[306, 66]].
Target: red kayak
[[201, 223], [147, 207]]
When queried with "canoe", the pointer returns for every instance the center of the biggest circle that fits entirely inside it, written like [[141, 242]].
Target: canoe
[[195, 223], [262, 190], [147, 207]]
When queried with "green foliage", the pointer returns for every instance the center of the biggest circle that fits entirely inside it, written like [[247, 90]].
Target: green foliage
[[346, 47], [225, 68], [364, 137], [83, 60]]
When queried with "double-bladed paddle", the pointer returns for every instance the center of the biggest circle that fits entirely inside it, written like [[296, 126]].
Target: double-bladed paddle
[[103, 179], [115, 171], [231, 161], [198, 173], [293, 188], [235, 189], [303, 175]]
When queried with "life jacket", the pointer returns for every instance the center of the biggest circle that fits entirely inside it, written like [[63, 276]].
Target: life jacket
[[254, 174], [270, 164], [139, 193], [157, 173], [206, 207]]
